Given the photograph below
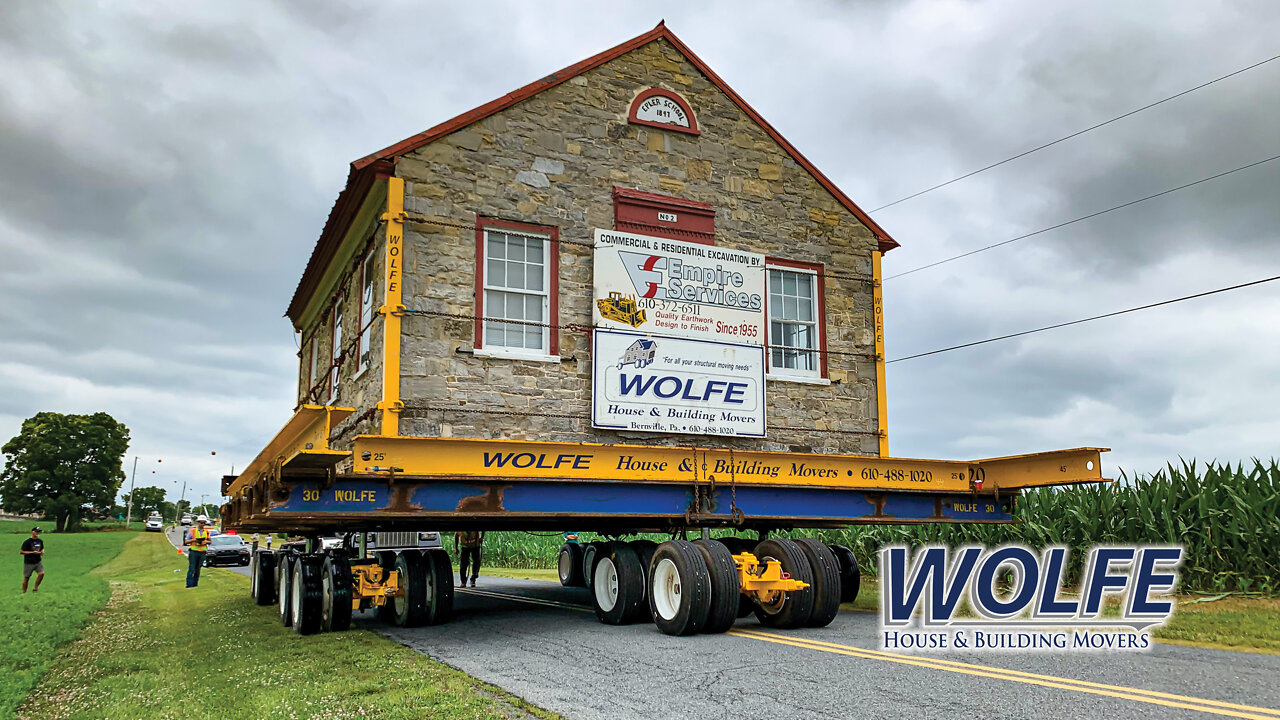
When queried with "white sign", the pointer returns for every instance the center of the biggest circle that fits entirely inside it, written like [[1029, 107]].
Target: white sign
[[669, 385], [683, 289], [661, 109]]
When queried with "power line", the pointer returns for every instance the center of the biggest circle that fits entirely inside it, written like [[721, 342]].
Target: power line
[[1085, 320], [1075, 134], [1085, 217]]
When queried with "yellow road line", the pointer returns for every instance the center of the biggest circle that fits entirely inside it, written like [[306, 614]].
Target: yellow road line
[[1178, 701]]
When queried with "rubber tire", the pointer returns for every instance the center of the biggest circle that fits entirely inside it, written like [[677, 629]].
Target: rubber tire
[[726, 590], [438, 571], [306, 594], [738, 545], [796, 606], [589, 556], [629, 605], [690, 573], [826, 581], [570, 556], [264, 572], [387, 561], [850, 578], [410, 610], [335, 593], [644, 550], [284, 587]]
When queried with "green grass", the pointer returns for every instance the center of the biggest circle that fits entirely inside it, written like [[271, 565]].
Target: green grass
[[1232, 623], [162, 651], [36, 625]]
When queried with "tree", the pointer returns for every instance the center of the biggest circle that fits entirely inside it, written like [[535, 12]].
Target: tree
[[60, 464], [145, 499]]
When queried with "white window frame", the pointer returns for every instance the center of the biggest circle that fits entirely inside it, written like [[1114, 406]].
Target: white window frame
[[542, 354], [796, 374], [312, 366], [368, 286], [335, 349]]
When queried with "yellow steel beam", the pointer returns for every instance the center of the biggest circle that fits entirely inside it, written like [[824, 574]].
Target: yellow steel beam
[[877, 304], [392, 309], [518, 460], [1059, 467], [303, 441]]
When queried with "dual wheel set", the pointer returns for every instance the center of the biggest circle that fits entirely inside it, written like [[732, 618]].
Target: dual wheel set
[[690, 587], [318, 591]]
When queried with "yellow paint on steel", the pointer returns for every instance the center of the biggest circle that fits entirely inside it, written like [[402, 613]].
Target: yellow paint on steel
[[882, 398], [369, 585], [520, 460], [1040, 469], [1184, 702], [763, 577], [392, 309], [306, 433]]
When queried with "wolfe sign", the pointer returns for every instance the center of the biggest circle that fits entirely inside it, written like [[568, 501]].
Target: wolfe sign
[[681, 289], [669, 385]]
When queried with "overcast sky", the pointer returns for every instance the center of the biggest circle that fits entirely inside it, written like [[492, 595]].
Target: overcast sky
[[165, 171]]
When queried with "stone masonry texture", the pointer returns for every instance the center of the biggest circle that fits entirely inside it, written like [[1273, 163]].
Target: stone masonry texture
[[553, 160]]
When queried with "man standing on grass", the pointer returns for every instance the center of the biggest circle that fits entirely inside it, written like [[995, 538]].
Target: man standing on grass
[[33, 559], [197, 544], [470, 542]]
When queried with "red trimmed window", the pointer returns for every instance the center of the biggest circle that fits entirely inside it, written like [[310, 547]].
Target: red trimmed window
[[797, 312], [365, 327], [517, 281], [645, 213], [335, 349]]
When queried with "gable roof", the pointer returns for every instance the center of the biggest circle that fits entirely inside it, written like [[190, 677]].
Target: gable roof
[[381, 163]]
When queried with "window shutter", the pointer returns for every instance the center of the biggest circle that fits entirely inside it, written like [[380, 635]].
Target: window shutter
[[674, 218]]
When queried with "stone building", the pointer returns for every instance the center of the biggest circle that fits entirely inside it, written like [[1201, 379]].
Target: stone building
[[502, 207]]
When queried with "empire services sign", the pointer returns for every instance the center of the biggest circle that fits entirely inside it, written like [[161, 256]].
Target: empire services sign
[[682, 289], [671, 385]]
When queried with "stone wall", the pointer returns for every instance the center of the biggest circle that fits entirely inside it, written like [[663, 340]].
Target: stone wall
[[553, 160]]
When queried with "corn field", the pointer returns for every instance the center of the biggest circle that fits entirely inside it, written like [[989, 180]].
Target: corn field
[[1227, 518]]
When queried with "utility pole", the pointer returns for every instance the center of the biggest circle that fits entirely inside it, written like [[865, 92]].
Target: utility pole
[[128, 513], [178, 516]]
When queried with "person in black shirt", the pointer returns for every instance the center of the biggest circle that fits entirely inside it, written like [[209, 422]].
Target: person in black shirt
[[32, 557]]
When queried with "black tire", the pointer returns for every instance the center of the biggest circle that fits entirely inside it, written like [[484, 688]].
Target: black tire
[[679, 588], [738, 545], [589, 555], [439, 591], [284, 587], [335, 593], [644, 550], [264, 577], [409, 608], [617, 590], [569, 565], [726, 590], [826, 581], [850, 578], [387, 561], [306, 589], [792, 610]]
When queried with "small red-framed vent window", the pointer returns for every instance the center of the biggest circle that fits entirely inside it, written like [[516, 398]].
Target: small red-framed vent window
[[645, 213]]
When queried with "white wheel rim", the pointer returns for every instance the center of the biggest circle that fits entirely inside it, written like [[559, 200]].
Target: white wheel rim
[[400, 603], [666, 589], [284, 596], [605, 584], [565, 564], [326, 595], [297, 590]]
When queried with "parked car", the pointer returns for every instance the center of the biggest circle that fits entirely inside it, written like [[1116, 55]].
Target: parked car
[[227, 550], [187, 519], [154, 524]]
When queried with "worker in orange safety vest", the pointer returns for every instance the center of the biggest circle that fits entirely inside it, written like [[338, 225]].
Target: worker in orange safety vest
[[197, 544]]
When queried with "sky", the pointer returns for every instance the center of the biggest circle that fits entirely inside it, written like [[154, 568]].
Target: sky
[[165, 170]]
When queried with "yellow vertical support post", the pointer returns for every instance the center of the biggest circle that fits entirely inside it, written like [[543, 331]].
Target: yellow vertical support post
[[392, 309], [882, 402]]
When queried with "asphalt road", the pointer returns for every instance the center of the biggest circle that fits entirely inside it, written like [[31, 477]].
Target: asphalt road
[[543, 643]]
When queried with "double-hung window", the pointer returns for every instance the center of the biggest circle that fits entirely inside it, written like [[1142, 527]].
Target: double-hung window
[[516, 288], [795, 323], [366, 313], [335, 350]]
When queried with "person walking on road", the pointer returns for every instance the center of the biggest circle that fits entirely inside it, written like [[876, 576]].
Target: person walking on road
[[197, 543], [33, 560], [470, 543]]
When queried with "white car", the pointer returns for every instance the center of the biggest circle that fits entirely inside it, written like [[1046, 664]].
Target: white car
[[154, 524], [187, 519]]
